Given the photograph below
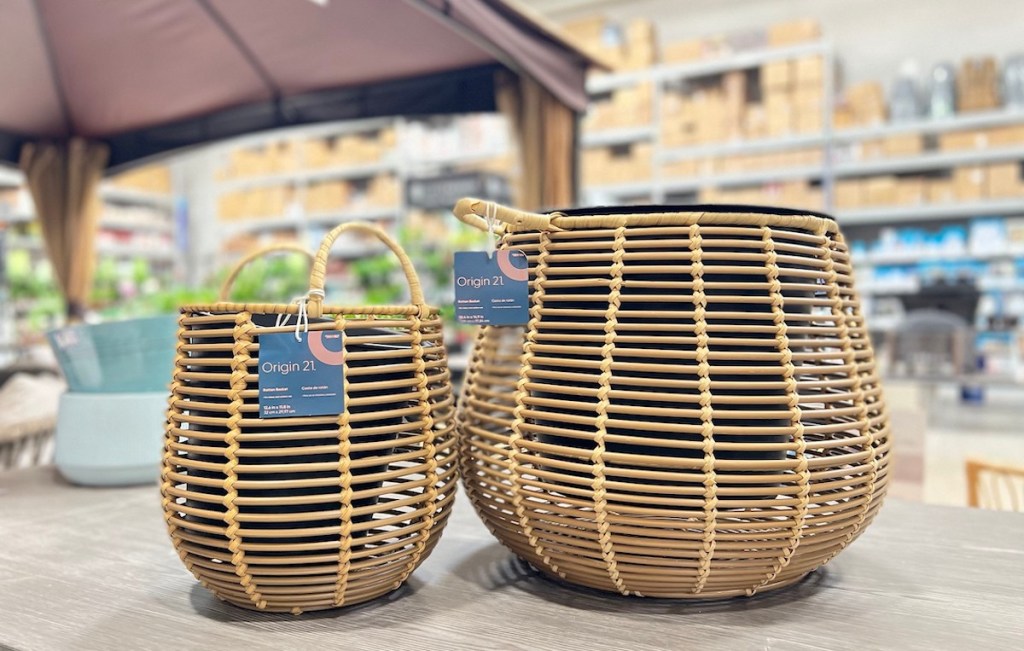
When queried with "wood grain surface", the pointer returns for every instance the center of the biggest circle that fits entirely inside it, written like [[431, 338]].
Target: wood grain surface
[[85, 568]]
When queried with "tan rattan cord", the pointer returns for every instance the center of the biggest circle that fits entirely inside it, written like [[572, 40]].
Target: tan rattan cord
[[515, 468], [319, 273], [270, 249], [839, 313], [793, 403], [239, 373], [707, 550], [600, 424], [693, 409], [345, 484]]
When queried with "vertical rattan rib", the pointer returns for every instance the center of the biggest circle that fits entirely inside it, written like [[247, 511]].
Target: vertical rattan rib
[[693, 408], [307, 513]]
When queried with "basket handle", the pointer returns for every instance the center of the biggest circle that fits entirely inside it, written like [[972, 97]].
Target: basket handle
[[281, 247], [474, 211], [319, 272]]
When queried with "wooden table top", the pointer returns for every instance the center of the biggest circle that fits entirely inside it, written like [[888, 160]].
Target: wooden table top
[[87, 568]]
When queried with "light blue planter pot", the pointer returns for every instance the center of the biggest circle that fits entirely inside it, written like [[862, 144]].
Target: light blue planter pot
[[131, 356], [111, 439], [110, 423]]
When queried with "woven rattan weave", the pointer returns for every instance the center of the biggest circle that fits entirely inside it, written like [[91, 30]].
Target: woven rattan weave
[[693, 409], [294, 514]]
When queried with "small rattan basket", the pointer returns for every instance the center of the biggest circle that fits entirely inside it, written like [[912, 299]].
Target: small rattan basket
[[693, 409], [296, 514]]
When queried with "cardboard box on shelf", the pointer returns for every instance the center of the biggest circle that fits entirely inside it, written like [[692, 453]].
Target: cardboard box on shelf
[[1004, 180], [843, 116], [794, 31], [978, 84], [866, 100], [686, 168], [809, 72], [809, 122], [641, 44], [970, 182], [809, 96], [316, 153], [777, 75], [940, 190], [910, 191], [961, 140], [880, 191], [903, 145], [683, 51], [849, 193], [755, 122], [1007, 136]]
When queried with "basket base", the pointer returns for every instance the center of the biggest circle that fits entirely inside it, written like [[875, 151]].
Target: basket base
[[705, 595], [307, 608]]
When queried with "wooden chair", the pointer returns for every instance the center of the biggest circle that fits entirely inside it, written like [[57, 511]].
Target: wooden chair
[[995, 486]]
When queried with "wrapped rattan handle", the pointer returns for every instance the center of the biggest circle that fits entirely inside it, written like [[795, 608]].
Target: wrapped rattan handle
[[475, 211], [319, 273], [281, 247]]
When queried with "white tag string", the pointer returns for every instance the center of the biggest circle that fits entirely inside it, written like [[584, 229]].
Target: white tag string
[[491, 215], [302, 321]]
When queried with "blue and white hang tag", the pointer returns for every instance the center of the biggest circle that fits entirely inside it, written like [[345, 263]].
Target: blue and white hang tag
[[492, 289], [301, 374]]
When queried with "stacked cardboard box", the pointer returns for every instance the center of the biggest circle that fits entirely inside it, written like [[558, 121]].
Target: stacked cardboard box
[[793, 194], [383, 191], [995, 137], [152, 178], [327, 197], [794, 32], [965, 184], [607, 165], [625, 107], [1005, 180], [977, 85], [860, 104], [640, 49], [255, 203], [630, 47]]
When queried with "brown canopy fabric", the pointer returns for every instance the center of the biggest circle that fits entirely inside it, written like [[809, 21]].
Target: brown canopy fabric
[[113, 82], [148, 76]]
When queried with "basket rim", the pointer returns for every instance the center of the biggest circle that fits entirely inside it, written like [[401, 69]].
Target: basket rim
[[659, 209], [228, 307], [683, 215]]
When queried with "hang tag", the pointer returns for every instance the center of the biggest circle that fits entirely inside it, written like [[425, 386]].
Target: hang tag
[[301, 378], [492, 289]]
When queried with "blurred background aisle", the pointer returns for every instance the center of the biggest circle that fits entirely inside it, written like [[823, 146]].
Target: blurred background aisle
[[903, 120]]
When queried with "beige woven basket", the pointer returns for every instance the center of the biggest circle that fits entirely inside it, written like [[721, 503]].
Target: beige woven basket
[[296, 514], [693, 409]]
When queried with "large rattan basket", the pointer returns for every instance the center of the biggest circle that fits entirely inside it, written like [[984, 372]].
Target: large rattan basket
[[693, 409], [296, 514]]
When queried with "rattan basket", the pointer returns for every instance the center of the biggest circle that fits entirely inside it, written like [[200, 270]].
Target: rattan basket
[[297, 514], [693, 409]]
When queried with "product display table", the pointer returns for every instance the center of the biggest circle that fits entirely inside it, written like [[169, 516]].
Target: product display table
[[87, 568]]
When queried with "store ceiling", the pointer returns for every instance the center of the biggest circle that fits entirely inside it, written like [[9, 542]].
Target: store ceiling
[[151, 75]]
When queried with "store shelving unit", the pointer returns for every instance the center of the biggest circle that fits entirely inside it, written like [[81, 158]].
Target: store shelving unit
[[400, 163], [660, 187], [830, 142]]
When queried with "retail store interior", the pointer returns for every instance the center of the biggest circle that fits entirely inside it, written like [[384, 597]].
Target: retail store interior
[[654, 305], [913, 143]]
